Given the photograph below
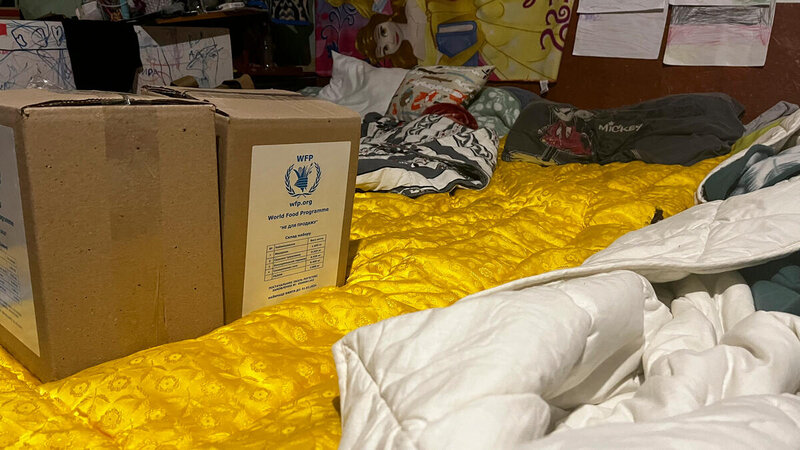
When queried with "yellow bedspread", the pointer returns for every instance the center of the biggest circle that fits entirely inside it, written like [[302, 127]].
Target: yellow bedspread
[[269, 380]]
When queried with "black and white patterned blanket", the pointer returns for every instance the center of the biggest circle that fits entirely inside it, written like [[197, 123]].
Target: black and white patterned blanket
[[429, 154]]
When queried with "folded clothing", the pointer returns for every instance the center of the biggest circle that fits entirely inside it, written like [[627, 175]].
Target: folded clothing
[[779, 135], [779, 111], [762, 166], [429, 154], [678, 129]]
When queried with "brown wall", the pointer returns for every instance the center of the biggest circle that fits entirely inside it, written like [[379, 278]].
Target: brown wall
[[607, 82]]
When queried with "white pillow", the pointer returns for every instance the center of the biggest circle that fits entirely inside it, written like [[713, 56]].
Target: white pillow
[[360, 86]]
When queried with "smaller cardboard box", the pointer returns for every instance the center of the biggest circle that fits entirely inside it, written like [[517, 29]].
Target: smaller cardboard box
[[109, 226], [287, 170]]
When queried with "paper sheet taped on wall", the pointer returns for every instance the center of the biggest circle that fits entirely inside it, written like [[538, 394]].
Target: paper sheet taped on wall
[[34, 51], [719, 35], [169, 53], [621, 35]]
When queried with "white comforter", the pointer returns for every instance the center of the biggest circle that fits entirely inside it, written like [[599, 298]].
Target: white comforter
[[652, 343]]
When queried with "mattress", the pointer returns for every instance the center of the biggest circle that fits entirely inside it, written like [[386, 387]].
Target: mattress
[[269, 380]]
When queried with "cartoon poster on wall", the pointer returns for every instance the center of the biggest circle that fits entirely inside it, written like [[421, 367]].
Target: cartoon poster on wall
[[523, 39]]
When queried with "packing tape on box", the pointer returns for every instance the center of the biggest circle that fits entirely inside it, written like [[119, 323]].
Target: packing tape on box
[[133, 165]]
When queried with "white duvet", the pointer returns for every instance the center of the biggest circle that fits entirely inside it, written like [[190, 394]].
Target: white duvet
[[652, 343]]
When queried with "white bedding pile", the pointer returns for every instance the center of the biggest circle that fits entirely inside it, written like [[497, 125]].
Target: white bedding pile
[[652, 343]]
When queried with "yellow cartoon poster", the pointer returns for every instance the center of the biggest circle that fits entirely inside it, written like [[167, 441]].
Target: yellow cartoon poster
[[523, 39]]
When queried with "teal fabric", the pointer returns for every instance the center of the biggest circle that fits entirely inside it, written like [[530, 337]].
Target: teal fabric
[[775, 285], [760, 167], [789, 277], [781, 293], [769, 269], [721, 183], [770, 171]]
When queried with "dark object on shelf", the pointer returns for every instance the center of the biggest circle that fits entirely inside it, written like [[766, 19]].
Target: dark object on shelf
[[277, 80], [243, 82], [108, 64], [257, 4], [293, 38]]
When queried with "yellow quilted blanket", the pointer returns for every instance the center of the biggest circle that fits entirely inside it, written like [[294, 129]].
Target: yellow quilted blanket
[[269, 380]]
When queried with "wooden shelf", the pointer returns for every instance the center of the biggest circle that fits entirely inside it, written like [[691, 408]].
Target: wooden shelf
[[213, 15], [9, 13], [275, 71]]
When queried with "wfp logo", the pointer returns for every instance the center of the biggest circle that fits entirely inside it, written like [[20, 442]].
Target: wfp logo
[[302, 180]]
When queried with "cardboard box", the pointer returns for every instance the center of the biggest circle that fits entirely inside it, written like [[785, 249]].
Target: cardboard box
[[109, 229], [287, 167]]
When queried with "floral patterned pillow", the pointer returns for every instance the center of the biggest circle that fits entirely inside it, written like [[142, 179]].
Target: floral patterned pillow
[[429, 85]]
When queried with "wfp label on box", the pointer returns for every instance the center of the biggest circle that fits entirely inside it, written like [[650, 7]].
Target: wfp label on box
[[17, 313], [297, 201]]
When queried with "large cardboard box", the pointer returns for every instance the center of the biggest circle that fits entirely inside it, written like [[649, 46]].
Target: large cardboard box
[[287, 170], [109, 228]]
